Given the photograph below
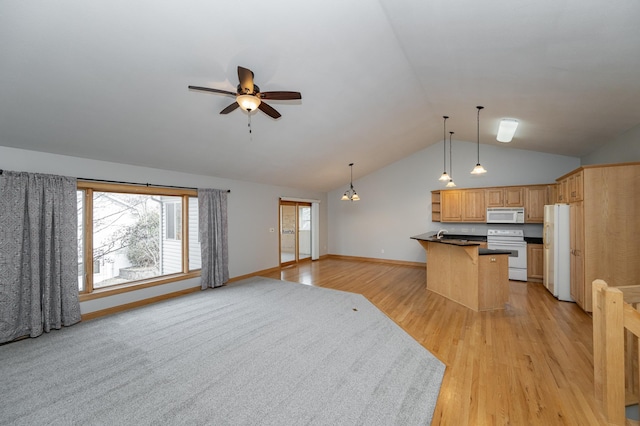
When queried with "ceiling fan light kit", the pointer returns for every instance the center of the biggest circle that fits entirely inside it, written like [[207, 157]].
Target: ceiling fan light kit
[[249, 97], [506, 130], [248, 103], [350, 194], [478, 169]]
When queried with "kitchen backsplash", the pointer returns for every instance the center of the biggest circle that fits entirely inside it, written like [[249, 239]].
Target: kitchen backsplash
[[530, 229]]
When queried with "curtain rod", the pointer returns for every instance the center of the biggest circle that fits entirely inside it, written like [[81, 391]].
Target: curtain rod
[[140, 184], [133, 183]]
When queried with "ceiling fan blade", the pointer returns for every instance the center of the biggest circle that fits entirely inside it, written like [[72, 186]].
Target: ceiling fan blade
[[268, 109], [281, 96], [230, 108], [208, 89], [245, 76]]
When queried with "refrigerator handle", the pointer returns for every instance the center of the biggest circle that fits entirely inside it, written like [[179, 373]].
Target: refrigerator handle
[[546, 236]]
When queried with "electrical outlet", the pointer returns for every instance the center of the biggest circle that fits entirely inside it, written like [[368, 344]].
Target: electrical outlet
[[382, 251], [272, 229]]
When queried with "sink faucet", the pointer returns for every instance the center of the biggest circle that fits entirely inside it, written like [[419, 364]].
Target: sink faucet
[[440, 232]]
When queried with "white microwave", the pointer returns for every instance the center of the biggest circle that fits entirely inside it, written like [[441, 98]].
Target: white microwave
[[505, 215]]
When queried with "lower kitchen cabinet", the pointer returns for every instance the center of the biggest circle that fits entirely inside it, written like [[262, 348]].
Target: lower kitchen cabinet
[[535, 259]]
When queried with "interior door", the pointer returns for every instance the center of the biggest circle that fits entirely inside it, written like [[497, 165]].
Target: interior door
[[295, 232]]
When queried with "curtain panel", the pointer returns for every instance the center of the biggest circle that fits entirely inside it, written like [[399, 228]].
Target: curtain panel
[[212, 227], [38, 254]]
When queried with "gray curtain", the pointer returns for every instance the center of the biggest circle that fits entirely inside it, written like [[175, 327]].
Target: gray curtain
[[212, 224], [38, 254]]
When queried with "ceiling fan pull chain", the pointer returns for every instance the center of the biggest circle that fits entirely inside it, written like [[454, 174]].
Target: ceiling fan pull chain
[[249, 125]]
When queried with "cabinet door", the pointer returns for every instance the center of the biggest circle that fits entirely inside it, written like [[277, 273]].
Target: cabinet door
[[575, 184], [494, 197], [576, 228], [514, 196], [535, 199], [450, 206], [473, 205], [535, 267], [563, 191]]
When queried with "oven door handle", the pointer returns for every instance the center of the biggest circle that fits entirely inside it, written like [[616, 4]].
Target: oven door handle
[[502, 243]]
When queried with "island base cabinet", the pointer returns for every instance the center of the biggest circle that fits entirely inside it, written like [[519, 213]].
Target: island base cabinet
[[493, 282], [460, 274]]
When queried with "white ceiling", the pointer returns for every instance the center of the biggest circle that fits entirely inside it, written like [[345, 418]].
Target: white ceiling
[[107, 79]]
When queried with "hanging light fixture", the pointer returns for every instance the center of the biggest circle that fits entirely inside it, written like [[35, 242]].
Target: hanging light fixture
[[451, 184], [478, 169], [350, 194], [445, 176]]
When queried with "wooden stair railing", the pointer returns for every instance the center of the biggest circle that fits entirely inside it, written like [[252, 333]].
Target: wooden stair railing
[[616, 381]]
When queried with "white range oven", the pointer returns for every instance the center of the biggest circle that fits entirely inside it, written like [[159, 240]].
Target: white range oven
[[513, 241]]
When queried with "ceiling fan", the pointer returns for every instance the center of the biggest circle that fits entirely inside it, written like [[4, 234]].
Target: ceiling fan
[[249, 97]]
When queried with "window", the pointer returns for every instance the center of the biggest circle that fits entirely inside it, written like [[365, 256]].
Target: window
[[131, 236]]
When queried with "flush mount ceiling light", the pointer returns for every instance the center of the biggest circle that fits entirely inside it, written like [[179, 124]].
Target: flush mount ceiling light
[[451, 183], [478, 169], [350, 194], [507, 129], [444, 177]]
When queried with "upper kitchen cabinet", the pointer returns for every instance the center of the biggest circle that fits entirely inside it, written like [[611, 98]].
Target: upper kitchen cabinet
[[451, 206], [473, 205], [570, 187], [505, 196], [514, 196], [535, 196], [464, 205]]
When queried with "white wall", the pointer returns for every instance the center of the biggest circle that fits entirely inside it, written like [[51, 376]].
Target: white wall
[[396, 200], [625, 148], [252, 209]]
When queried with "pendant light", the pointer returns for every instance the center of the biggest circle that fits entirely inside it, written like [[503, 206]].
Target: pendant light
[[451, 184], [478, 169], [350, 194], [445, 176]]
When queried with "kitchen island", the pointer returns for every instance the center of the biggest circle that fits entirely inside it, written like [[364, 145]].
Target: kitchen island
[[462, 271]]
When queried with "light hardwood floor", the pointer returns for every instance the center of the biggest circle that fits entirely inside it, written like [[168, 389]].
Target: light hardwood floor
[[530, 364]]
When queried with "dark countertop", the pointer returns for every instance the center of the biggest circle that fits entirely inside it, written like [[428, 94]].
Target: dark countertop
[[431, 237], [528, 240], [450, 239], [533, 240]]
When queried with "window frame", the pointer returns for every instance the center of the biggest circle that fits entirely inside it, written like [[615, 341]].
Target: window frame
[[88, 187]]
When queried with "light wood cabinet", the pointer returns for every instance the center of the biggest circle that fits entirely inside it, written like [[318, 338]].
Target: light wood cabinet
[[514, 196], [535, 267], [505, 196], [451, 206], [604, 227], [494, 197], [576, 227], [473, 205], [535, 199], [563, 190], [575, 184], [435, 206]]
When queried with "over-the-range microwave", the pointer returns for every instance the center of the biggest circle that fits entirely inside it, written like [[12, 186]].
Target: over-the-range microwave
[[505, 215]]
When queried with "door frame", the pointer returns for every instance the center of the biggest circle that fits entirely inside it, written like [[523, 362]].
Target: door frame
[[296, 258]]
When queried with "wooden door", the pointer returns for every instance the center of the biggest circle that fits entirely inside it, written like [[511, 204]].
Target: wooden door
[[535, 266], [473, 205], [536, 198], [494, 197], [577, 253], [450, 206], [514, 196]]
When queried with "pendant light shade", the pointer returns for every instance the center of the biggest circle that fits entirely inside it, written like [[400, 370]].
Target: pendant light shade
[[478, 169], [450, 184], [444, 177], [350, 194]]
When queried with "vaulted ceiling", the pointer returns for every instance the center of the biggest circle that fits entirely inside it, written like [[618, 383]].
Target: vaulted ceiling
[[107, 80]]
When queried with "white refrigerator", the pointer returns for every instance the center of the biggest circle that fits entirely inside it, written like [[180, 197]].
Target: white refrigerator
[[556, 239]]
